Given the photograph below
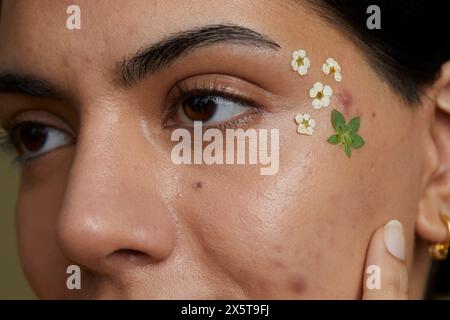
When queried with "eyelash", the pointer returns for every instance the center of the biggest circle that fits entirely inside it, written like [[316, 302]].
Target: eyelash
[[208, 90], [7, 143]]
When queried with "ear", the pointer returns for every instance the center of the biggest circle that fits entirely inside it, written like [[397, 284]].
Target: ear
[[436, 196]]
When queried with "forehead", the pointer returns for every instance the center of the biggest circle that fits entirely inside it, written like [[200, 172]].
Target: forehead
[[36, 30]]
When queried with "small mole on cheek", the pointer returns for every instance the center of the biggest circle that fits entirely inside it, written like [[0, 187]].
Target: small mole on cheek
[[373, 115], [198, 185], [297, 285]]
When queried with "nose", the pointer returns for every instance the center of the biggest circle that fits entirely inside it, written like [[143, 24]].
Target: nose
[[114, 215]]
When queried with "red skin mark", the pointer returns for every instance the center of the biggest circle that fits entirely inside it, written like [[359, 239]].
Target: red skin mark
[[278, 264], [297, 285], [345, 99]]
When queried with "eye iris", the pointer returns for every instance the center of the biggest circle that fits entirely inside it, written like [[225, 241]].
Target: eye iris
[[200, 108], [31, 138]]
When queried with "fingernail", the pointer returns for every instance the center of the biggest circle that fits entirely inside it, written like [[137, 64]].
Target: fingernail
[[394, 239]]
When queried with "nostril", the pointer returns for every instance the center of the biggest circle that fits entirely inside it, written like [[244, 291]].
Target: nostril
[[131, 256]]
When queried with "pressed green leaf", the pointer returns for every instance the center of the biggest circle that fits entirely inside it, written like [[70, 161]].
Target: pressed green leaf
[[334, 139], [347, 139], [338, 121], [346, 133], [357, 141], [348, 150], [354, 124]]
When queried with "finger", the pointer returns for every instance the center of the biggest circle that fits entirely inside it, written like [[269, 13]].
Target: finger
[[386, 274]]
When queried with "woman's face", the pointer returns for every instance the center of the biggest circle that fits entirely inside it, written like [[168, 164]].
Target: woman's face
[[102, 191]]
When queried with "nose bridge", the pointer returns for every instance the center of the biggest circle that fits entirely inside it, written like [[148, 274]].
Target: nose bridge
[[111, 205]]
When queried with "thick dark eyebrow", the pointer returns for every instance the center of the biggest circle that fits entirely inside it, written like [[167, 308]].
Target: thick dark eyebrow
[[27, 85], [149, 60], [162, 54]]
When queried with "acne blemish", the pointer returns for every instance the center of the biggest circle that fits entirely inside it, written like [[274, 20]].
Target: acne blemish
[[276, 262], [297, 285], [345, 99]]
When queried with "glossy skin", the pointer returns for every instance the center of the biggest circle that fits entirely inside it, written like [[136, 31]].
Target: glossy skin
[[142, 227]]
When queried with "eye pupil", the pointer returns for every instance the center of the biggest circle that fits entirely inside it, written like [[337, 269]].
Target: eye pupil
[[31, 138], [200, 108]]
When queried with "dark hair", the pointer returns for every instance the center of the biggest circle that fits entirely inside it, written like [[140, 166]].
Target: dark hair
[[409, 48]]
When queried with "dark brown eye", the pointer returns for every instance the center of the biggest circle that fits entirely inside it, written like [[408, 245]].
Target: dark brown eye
[[211, 109], [199, 108], [33, 139], [30, 138]]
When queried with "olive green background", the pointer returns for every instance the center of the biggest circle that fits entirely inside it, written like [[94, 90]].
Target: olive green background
[[13, 284]]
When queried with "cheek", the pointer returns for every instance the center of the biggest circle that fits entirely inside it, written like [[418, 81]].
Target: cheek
[[38, 206], [241, 229], [278, 236]]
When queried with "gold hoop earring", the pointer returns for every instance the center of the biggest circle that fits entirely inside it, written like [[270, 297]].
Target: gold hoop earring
[[439, 251]]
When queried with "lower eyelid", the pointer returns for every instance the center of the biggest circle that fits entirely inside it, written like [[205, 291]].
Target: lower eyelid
[[243, 120], [23, 160]]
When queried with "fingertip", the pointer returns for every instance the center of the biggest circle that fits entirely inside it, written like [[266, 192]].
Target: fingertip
[[386, 272], [394, 239]]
